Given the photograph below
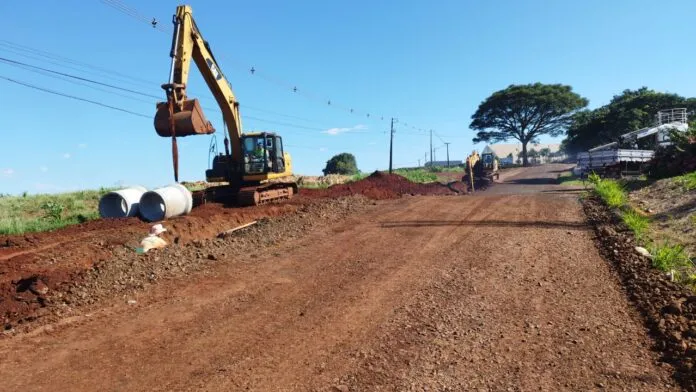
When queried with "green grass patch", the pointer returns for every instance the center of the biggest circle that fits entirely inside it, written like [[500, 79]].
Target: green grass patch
[[636, 222], [567, 178], [417, 175], [688, 181], [667, 257], [35, 213], [358, 177], [611, 192], [314, 185]]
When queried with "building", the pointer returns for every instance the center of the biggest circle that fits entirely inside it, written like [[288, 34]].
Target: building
[[511, 154]]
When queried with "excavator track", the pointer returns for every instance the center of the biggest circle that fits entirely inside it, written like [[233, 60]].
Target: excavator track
[[254, 196]]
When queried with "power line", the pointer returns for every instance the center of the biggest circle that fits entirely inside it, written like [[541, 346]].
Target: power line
[[27, 51], [288, 86], [74, 97], [22, 50], [16, 63]]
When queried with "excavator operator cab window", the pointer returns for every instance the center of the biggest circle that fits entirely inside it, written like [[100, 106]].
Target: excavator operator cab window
[[257, 157]]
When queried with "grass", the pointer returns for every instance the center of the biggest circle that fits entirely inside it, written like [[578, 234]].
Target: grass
[[417, 175], [567, 178], [34, 213], [636, 222], [611, 192], [688, 181], [672, 258], [667, 257]]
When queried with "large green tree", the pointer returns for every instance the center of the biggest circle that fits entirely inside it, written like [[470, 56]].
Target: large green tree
[[629, 111], [343, 163], [525, 112]]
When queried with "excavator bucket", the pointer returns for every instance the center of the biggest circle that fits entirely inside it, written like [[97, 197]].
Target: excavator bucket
[[189, 121]]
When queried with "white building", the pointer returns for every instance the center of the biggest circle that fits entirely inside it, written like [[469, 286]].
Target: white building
[[510, 154]]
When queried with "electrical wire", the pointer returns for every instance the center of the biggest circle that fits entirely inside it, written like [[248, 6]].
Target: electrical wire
[[74, 97], [16, 63], [288, 86], [28, 52]]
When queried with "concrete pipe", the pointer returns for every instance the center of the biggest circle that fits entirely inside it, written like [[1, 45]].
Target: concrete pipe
[[122, 203], [166, 202]]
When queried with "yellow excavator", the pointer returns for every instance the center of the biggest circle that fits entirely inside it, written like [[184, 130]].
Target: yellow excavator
[[254, 165], [480, 169]]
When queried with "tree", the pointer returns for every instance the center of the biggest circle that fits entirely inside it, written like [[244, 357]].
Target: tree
[[525, 112], [629, 111], [534, 154], [343, 163], [545, 152]]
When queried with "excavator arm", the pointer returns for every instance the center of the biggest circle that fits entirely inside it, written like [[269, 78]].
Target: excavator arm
[[180, 116]]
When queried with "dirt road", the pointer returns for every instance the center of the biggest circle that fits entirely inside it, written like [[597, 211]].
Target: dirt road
[[500, 291]]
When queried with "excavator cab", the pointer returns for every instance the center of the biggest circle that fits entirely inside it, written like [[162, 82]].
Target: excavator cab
[[263, 153]]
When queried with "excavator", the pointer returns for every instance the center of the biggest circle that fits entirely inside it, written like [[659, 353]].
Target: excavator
[[480, 169], [254, 166]]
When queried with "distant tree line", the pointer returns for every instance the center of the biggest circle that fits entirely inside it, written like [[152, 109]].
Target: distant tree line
[[526, 112]]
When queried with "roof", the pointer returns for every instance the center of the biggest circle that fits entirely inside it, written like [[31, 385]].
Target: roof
[[503, 150]]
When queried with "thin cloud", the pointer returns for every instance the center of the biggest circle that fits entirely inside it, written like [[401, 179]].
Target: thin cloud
[[43, 169], [8, 172], [338, 131], [82, 145], [67, 155], [322, 149]]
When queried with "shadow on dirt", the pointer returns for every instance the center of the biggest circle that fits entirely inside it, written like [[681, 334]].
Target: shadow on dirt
[[533, 181], [489, 223]]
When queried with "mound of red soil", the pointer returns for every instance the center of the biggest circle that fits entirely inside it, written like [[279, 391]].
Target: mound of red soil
[[380, 186]]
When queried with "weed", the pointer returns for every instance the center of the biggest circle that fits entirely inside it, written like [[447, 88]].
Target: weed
[[417, 175], [594, 178], [636, 222], [52, 210], [567, 178], [687, 181], [669, 257], [358, 177], [34, 213], [610, 191]]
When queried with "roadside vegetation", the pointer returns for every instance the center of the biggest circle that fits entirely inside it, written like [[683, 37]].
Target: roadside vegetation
[[669, 257], [567, 178], [34, 213]]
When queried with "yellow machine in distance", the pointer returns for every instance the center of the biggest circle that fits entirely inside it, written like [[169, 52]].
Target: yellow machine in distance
[[250, 161], [480, 168]]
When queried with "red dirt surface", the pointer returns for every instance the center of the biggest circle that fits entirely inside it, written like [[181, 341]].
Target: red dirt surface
[[380, 186], [482, 293], [53, 258]]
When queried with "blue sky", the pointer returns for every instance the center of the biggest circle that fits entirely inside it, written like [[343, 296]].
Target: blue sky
[[427, 63]]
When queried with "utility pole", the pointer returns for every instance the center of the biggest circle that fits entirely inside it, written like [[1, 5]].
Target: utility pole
[[431, 147], [391, 144], [425, 158], [418, 162], [447, 145]]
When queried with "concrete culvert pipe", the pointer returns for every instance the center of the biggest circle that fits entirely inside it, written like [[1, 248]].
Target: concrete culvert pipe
[[163, 203], [122, 203]]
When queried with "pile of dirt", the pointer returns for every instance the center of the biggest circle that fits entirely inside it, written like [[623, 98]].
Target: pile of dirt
[[380, 186], [668, 309], [48, 295], [53, 259]]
